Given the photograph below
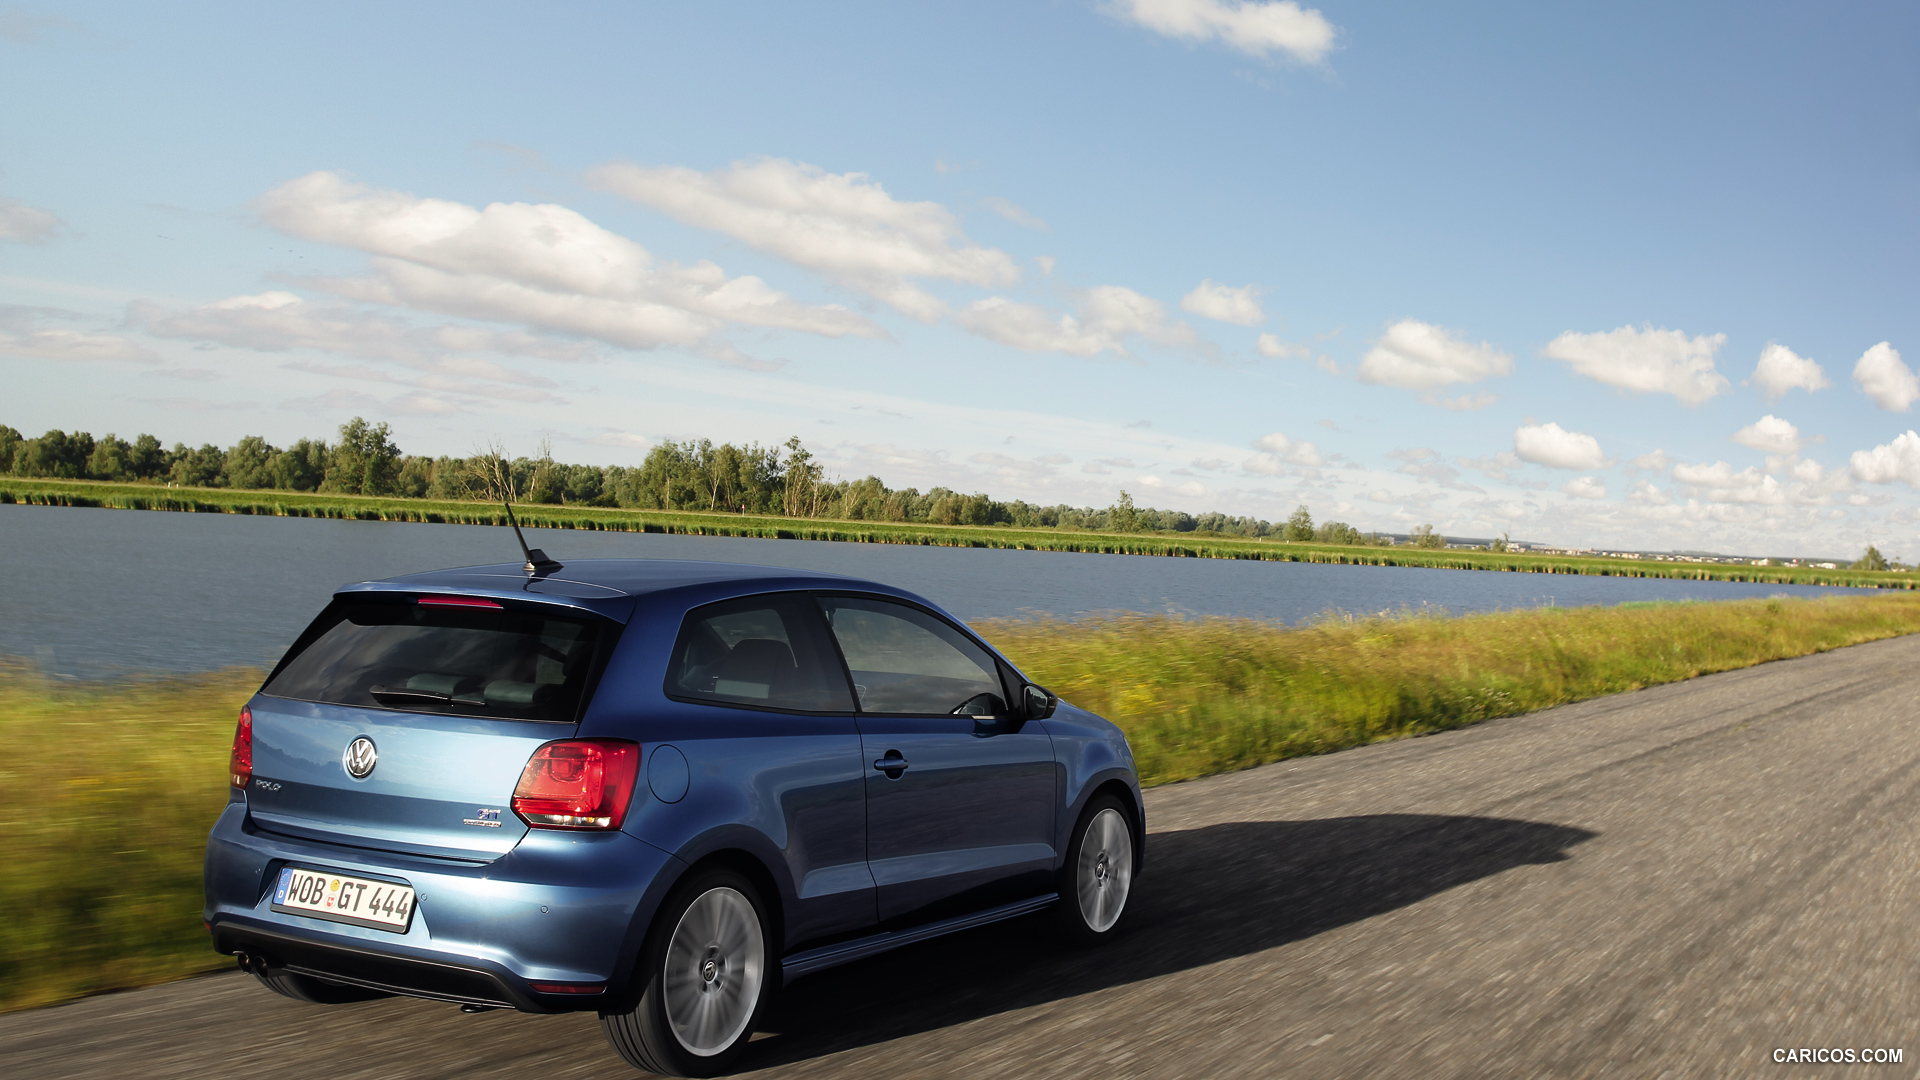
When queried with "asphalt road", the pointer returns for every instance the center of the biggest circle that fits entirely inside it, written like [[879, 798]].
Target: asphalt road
[[1674, 882]]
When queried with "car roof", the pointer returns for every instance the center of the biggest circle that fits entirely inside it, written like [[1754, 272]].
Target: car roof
[[608, 586]]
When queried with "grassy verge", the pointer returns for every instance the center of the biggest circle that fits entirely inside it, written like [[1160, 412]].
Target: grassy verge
[[1201, 696], [106, 795], [107, 791], [1179, 545]]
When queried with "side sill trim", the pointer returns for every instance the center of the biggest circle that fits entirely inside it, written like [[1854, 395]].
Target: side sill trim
[[808, 961]]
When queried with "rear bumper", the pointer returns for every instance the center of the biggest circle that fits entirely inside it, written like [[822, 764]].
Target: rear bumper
[[389, 969], [566, 908]]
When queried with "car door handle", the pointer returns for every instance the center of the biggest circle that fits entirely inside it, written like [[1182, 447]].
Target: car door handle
[[893, 764]]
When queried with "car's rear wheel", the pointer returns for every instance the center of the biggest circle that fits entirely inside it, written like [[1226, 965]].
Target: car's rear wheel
[[314, 991], [1097, 878], [706, 970]]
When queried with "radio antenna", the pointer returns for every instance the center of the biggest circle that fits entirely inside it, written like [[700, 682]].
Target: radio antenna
[[538, 564]]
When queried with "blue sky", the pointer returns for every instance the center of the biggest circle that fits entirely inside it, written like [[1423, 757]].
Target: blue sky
[[1501, 267]]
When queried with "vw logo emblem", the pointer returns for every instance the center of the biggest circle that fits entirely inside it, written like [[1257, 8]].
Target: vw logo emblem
[[360, 757]]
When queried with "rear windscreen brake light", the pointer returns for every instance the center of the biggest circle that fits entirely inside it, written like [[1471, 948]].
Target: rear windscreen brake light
[[240, 762], [578, 784]]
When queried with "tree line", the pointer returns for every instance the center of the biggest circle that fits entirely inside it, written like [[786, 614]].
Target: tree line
[[784, 480]]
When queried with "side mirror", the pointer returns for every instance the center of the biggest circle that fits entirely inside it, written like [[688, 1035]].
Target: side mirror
[[1040, 702]]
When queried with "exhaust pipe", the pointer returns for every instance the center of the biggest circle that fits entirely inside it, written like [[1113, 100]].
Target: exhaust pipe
[[249, 963]]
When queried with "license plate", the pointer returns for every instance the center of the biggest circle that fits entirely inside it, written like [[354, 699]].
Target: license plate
[[360, 901]]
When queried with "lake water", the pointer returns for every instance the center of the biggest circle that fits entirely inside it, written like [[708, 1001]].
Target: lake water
[[91, 593]]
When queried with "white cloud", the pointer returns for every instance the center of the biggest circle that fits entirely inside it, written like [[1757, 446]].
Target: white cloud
[[539, 265], [1006, 208], [1771, 435], [1465, 402], [1271, 345], [59, 344], [1251, 26], [22, 333], [1653, 461], [842, 225], [1240, 306], [1045, 263], [1718, 483], [1006, 467], [1424, 462], [1660, 361], [25, 224], [1781, 369], [1420, 356], [1549, 444], [1278, 452], [1585, 487], [1804, 470], [625, 440], [279, 321], [1108, 315], [1898, 460], [412, 404], [1190, 490], [1497, 466], [1883, 377], [1645, 494]]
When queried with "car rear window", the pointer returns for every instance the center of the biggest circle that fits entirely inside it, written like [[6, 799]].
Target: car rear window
[[425, 656]]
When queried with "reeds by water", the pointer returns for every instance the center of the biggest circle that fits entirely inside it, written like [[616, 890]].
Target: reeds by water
[[92, 493]]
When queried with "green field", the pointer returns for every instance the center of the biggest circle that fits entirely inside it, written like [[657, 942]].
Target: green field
[[107, 790], [1179, 545]]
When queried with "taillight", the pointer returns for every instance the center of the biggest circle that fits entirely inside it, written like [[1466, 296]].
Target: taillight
[[457, 601], [240, 762], [578, 784]]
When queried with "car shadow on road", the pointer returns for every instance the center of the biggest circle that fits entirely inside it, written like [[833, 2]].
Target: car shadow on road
[[1208, 894]]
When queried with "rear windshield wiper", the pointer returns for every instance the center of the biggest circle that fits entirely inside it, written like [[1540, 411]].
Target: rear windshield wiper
[[403, 694]]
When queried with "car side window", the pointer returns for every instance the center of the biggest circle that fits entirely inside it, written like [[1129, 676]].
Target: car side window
[[766, 651], [905, 660]]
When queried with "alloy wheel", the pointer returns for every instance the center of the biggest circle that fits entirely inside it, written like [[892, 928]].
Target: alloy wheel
[[1104, 875], [714, 965]]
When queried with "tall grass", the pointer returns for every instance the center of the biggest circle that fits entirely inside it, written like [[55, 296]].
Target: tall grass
[[106, 795], [1201, 696], [107, 791]]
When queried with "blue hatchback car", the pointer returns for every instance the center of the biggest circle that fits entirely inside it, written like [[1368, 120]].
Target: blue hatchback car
[[656, 790]]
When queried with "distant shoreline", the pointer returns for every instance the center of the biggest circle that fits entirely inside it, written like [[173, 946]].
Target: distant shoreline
[[126, 496]]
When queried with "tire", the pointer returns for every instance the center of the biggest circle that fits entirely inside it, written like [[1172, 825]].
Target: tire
[[706, 973], [1097, 877], [315, 991]]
